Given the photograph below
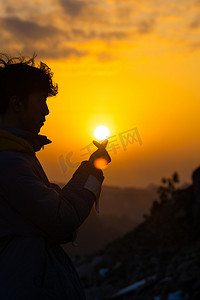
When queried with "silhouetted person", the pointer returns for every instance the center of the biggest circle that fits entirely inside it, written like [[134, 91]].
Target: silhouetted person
[[36, 216]]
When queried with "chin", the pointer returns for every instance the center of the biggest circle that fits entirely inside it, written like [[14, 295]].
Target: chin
[[35, 130]]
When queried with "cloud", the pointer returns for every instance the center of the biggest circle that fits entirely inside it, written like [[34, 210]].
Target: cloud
[[146, 26], [113, 35], [106, 57], [86, 12], [28, 37], [63, 28], [73, 7], [55, 52], [27, 29], [195, 24], [194, 46], [196, 2]]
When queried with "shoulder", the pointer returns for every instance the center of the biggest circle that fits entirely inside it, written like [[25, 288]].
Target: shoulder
[[13, 163], [7, 156]]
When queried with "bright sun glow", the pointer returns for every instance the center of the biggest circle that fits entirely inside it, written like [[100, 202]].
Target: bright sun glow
[[101, 133]]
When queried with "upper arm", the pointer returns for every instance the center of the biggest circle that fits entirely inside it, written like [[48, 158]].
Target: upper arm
[[56, 213]]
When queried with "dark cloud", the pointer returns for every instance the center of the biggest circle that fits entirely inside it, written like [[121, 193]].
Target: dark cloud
[[195, 24], [104, 35], [29, 37], [80, 34], [73, 7], [86, 12], [27, 29], [52, 42], [114, 35], [145, 27], [55, 52]]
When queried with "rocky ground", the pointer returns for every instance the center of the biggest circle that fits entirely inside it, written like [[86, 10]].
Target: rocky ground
[[159, 259]]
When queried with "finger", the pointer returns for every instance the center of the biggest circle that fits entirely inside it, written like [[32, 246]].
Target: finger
[[98, 145], [104, 143]]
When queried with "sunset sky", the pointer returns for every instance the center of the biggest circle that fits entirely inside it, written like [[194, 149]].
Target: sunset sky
[[129, 65]]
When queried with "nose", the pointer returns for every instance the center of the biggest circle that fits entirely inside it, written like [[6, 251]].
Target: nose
[[46, 109]]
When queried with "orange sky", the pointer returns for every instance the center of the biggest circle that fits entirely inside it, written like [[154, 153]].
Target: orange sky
[[128, 64]]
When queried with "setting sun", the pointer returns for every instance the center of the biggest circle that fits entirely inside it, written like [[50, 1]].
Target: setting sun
[[101, 133]]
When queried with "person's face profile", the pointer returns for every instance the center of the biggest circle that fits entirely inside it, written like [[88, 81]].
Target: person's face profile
[[34, 112]]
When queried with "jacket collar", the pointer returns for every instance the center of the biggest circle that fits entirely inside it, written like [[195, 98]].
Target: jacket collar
[[37, 141]]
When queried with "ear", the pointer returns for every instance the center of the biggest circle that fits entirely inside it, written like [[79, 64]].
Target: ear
[[16, 104]]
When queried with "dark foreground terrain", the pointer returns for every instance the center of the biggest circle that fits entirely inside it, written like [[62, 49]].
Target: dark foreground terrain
[[159, 259]]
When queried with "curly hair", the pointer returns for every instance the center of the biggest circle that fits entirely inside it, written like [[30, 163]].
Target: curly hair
[[20, 76]]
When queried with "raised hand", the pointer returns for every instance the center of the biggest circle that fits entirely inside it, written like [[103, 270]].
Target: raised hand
[[100, 158]]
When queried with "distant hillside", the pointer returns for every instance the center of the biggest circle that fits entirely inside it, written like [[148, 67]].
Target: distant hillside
[[121, 210], [129, 202]]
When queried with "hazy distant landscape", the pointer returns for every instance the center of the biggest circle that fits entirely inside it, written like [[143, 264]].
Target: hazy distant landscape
[[121, 210]]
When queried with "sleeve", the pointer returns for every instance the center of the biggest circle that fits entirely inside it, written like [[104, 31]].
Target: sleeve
[[56, 212]]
